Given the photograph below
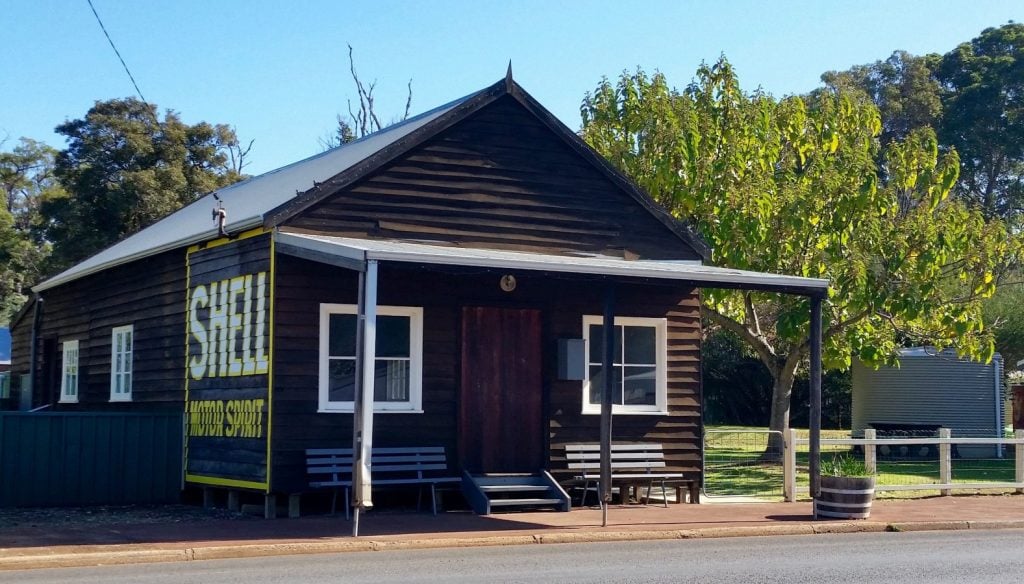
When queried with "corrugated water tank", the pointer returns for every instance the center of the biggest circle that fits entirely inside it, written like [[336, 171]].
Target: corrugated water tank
[[933, 389]]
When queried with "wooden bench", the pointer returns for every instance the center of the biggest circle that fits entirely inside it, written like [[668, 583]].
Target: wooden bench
[[632, 465], [420, 466]]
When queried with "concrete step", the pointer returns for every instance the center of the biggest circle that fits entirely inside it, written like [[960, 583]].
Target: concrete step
[[512, 488], [524, 502]]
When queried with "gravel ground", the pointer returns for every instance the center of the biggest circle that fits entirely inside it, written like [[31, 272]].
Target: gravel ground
[[112, 515]]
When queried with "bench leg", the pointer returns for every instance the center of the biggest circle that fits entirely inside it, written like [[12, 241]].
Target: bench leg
[[433, 498], [348, 504], [234, 502], [664, 495], [270, 506], [694, 492]]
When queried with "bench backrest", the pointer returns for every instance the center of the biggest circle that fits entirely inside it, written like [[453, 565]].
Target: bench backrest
[[334, 465], [586, 458]]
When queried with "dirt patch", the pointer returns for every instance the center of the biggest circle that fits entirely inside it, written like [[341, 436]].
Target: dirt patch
[[112, 515]]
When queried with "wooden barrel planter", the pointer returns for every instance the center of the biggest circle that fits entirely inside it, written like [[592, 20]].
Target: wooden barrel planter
[[845, 498]]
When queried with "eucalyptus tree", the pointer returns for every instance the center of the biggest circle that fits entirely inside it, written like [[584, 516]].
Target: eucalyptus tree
[[124, 168], [795, 186], [26, 180]]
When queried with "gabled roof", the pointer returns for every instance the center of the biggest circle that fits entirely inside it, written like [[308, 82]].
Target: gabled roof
[[273, 197]]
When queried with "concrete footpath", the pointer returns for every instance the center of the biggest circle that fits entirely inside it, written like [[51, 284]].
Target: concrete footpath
[[83, 544]]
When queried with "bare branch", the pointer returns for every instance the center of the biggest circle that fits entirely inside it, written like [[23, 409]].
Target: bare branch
[[408, 101], [760, 345]]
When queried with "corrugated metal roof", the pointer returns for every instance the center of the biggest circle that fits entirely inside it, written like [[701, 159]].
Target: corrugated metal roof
[[246, 202], [401, 251]]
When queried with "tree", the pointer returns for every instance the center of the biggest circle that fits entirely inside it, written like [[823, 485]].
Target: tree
[[124, 168], [792, 186], [26, 180], [363, 120], [903, 87], [984, 118]]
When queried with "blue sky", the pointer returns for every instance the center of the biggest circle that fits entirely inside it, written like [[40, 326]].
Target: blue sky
[[277, 71]]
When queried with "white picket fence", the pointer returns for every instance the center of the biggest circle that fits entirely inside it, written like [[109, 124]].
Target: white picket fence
[[870, 443]]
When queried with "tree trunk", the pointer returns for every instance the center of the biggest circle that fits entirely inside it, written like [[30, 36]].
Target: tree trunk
[[778, 423]]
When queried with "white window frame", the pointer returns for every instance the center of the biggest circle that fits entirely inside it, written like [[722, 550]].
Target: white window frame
[[127, 371], [415, 403], [69, 368], [660, 406]]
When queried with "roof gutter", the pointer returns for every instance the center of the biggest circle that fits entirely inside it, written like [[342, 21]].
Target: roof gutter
[[812, 286], [235, 227]]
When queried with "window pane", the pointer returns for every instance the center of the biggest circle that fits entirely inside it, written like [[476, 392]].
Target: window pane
[[640, 344], [343, 335], [597, 382], [341, 380], [391, 381], [393, 336], [597, 344], [639, 386]]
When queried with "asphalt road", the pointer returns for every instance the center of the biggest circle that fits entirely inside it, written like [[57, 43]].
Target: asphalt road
[[989, 557]]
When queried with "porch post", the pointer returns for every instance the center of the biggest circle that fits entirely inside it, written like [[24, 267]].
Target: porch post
[[607, 364], [815, 396], [362, 407]]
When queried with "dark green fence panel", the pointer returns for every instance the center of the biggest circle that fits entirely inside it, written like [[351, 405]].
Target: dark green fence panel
[[65, 458]]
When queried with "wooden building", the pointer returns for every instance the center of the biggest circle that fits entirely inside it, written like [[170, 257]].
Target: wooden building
[[491, 233]]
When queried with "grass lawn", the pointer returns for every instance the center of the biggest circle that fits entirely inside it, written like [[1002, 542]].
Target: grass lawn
[[734, 464]]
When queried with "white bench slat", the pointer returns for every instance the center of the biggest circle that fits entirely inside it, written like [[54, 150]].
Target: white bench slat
[[338, 469], [642, 476], [621, 456], [597, 465], [391, 458], [615, 447], [417, 481]]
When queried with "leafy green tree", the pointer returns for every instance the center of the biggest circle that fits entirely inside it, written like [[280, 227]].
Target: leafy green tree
[[984, 118], [124, 168], [903, 87], [1003, 315], [792, 186], [26, 180]]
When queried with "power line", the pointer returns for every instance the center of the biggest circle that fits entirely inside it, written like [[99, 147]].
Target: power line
[[116, 52]]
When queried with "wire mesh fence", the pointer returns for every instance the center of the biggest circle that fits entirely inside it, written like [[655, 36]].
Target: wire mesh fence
[[743, 462]]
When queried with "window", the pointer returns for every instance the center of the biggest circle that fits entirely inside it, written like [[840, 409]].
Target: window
[[397, 367], [639, 366], [69, 379], [121, 363]]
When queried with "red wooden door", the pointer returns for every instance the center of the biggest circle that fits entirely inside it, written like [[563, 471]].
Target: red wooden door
[[501, 422]]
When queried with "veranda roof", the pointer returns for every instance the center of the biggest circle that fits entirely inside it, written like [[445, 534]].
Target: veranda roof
[[360, 250]]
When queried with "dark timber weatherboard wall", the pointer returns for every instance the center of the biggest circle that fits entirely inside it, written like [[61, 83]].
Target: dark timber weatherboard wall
[[498, 179], [148, 294], [563, 300]]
